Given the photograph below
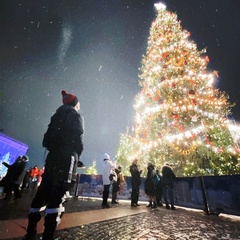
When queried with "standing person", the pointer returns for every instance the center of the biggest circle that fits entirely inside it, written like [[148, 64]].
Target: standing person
[[168, 178], [26, 179], [7, 181], [150, 188], [33, 178], [14, 177], [34, 173], [20, 173], [108, 167], [121, 182], [159, 189], [64, 141], [136, 182], [116, 185]]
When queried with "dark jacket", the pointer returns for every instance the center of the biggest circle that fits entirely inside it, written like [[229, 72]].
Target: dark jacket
[[15, 172], [116, 184], [149, 182], [64, 140], [65, 131], [135, 173], [168, 176], [20, 171]]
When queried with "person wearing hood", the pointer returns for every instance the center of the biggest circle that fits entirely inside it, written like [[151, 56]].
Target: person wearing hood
[[64, 142], [108, 177]]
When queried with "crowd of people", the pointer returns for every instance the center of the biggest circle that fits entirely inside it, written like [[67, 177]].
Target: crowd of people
[[64, 142], [157, 186], [19, 178]]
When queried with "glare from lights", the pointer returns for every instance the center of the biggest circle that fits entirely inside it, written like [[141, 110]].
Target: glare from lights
[[160, 6]]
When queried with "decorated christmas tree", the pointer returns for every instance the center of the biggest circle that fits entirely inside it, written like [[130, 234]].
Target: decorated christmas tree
[[181, 118], [92, 170]]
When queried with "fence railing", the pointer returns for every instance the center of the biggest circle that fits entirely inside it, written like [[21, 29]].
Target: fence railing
[[213, 195]]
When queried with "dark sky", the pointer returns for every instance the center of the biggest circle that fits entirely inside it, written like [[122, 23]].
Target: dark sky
[[94, 48]]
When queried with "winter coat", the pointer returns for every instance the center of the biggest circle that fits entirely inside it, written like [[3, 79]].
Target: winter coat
[[117, 181], [64, 140], [65, 131], [8, 178], [15, 173], [168, 176], [150, 181], [108, 166], [34, 172], [135, 173], [21, 171]]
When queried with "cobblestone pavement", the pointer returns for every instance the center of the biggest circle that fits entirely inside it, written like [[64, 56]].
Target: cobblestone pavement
[[157, 224], [20, 208], [153, 224]]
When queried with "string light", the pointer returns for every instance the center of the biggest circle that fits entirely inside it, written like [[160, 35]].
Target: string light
[[179, 110]]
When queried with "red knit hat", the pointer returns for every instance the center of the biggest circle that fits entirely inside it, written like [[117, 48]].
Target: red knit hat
[[69, 99]]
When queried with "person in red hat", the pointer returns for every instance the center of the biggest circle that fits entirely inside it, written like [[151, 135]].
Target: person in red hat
[[64, 141]]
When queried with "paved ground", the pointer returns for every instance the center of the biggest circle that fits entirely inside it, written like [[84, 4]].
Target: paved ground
[[84, 219]]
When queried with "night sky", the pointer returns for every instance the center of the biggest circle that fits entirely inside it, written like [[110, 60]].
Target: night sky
[[94, 49]]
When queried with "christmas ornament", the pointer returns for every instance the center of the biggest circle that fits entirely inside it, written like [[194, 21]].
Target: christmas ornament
[[164, 55], [194, 101], [191, 94]]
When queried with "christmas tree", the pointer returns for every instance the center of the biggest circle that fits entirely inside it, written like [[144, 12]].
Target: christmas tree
[[92, 170], [181, 118]]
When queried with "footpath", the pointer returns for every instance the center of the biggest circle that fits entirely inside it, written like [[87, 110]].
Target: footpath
[[85, 219]]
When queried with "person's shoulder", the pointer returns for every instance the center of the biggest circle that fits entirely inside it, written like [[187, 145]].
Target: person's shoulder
[[65, 108], [167, 168]]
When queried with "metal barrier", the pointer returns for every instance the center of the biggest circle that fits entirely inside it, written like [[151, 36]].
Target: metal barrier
[[223, 194], [213, 195]]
